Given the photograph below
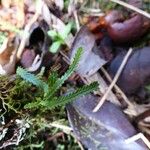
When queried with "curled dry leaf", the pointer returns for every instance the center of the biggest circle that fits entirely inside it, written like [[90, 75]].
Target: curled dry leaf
[[38, 43], [111, 17], [108, 128], [123, 30], [38, 36], [136, 72], [90, 62]]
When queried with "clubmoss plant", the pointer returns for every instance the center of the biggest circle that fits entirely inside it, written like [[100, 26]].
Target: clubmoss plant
[[48, 99], [59, 38]]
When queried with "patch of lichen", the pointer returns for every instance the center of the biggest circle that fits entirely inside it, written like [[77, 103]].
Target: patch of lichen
[[14, 94]]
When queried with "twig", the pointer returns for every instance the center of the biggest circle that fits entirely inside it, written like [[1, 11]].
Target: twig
[[132, 8], [76, 20], [136, 137], [91, 10], [144, 127], [114, 81], [68, 131], [27, 28], [79, 143], [64, 128], [117, 88], [57, 135]]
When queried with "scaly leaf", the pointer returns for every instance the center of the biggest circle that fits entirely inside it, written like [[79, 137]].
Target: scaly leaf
[[53, 77], [29, 77], [55, 46], [60, 101], [71, 69]]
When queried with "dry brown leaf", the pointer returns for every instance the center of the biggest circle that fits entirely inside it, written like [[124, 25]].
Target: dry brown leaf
[[8, 59]]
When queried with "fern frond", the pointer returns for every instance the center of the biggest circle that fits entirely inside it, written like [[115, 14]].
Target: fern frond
[[29, 77], [52, 103], [68, 73]]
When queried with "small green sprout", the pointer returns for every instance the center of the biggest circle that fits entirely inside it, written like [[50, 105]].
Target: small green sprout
[[59, 38]]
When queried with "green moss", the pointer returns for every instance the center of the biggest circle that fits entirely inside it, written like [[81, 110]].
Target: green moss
[[34, 101]]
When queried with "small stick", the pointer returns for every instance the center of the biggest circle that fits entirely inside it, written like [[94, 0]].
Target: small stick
[[65, 128], [137, 137], [57, 135], [79, 143], [132, 8], [27, 28], [76, 20], [114, 81], [117, 88]]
